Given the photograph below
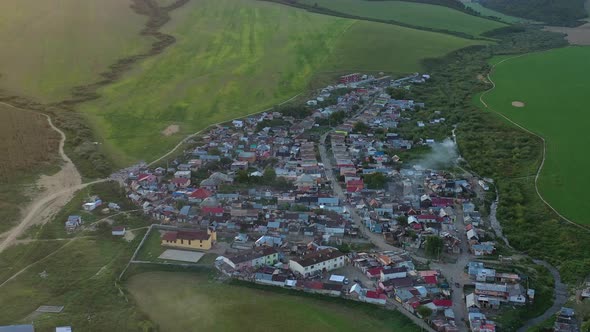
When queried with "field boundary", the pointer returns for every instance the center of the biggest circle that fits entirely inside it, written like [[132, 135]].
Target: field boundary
[[540, 168]]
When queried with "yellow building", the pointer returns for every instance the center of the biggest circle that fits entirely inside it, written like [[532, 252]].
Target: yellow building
[[195, 240]]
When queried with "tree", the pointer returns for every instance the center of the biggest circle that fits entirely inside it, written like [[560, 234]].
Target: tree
[[424, 312], [402, 220], [360, 127], [269, 176], [434, 246], [375, 180]]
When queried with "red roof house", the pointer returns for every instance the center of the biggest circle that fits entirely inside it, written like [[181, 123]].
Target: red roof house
[[353, 186]]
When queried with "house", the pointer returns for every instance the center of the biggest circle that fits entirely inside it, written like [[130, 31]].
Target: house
[[118, 231], [92, 205], [494, 290], [317, 262], [373, 297], [199, 195], [181, 182], [252, 258], [393, 273], [195, 240], [73, 222], [353, 186]]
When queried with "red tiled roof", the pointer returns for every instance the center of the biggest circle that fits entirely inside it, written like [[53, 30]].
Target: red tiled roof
[[186, 235], [375, 271], [201, 193], [430, 280], [443, 303], [375, 295], [212, 209], [180, 180]]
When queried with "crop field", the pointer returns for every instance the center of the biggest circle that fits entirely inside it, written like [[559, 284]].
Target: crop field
[[48, 47], [237, 57], [184, 302], [550, 95], [27, 145], [416, 14]]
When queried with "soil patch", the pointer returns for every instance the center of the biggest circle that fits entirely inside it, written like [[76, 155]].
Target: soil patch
[[518, 104], [170, 130], [575, 36]]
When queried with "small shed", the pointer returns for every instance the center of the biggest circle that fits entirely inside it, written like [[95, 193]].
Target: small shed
[[118, 231]]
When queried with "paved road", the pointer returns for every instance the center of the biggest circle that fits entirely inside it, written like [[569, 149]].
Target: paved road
[[376, 239], [559, 298]]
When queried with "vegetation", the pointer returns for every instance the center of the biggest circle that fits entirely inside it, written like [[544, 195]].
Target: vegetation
[[375, 181], [531, 80], [553, 12], [78, 273], [496, 149], [226, 63], [167, 298], [424, 311], [29, 147], [417, 15], [86, 37], [434, 246]]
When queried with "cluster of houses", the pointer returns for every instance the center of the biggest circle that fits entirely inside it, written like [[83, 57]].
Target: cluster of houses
[[75, 222], [492, 290], [395, 277], [566, 321]]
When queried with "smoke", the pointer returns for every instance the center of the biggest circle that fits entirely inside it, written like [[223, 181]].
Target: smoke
[[442, 155]]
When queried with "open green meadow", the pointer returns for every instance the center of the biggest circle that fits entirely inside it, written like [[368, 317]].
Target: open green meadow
[[416, 14], [48, 47], [553, 87], [237, 57], [190, 301]]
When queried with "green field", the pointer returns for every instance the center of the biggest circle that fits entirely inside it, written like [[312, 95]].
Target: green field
[[484, 11], [415, 14], [48, 47], [553, 86], [236, 57], [189, 302]]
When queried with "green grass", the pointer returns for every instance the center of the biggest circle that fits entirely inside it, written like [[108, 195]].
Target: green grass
[[191, 301], [48, 47], [553, 86], [151, 249], [484, 11], [236, 57], [415, 14]]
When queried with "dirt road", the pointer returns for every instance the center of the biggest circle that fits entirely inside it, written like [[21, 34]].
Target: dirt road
[[57, 190]]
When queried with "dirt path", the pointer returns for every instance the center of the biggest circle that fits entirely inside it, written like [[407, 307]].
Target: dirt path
[[57, 190], [540, 169]]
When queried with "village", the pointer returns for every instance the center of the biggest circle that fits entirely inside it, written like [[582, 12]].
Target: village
[[317, 198]]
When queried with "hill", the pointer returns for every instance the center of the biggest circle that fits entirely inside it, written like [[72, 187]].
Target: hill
[[412, 13], [557, 112], [236, 57], [49, 47]]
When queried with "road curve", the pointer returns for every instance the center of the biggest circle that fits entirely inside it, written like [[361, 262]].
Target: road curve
[[540, 168], [559, 298]]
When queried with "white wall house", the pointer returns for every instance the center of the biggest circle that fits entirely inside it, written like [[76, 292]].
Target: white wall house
[[316, 262]]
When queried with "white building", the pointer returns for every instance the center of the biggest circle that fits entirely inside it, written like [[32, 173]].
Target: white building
[[317, 262], [251, 258]]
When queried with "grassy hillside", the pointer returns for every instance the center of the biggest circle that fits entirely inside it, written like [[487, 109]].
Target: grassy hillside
[[48, 47], [182, 301], [552, 12], [236, 57], [552, 86], [417, 14]]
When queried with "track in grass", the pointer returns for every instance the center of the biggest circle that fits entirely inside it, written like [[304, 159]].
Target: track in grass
[[552, 87], [415, 14], [183, 301], [236, 57], [48, 47]]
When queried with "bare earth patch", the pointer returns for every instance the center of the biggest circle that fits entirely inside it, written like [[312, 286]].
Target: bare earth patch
[[575, 36], [170, 130], [517, 104]]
